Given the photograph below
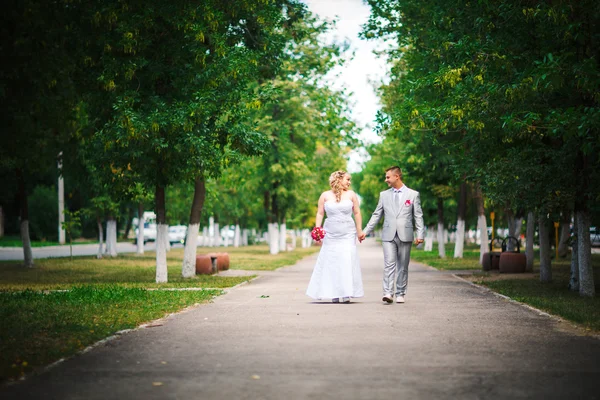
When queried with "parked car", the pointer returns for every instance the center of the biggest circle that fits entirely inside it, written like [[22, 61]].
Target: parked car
[[177, 234], [149, 232], [595, 236]]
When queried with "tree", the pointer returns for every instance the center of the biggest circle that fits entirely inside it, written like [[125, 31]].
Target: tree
[[515, 82], [174, 79], [36, 95]]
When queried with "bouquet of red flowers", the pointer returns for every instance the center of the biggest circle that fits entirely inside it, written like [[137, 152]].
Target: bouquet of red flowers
[[317, 234]]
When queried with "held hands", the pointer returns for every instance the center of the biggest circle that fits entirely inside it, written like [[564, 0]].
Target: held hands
[[361, 235], [418, 241]]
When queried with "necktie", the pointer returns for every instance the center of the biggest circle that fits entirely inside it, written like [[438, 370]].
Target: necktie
[[397, 194]]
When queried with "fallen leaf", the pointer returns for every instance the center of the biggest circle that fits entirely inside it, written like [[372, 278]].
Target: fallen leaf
[[163, 362], [157, 383], [255, 376]]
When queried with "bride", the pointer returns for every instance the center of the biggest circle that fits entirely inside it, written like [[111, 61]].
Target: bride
[[337, 272]]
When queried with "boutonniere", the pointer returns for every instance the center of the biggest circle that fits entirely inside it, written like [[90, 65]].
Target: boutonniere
[[407, 203]]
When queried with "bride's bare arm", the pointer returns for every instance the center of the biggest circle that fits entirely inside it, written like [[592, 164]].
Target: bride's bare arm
[[357, 215], [320, 210]]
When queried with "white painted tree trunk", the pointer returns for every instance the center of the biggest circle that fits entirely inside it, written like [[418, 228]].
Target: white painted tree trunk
[[305, 236], [460, 239], [282, 237], [563, 247], [245, 234], [293, 234], [225, 241], [188, 268], [161, 253], [440, 240], [106, 239], [483, 236], [237, 236], [545, 260], [530, 234], [167, 243], [140, 235], [584, 255], [217, 235], [211, 232], [273, 238], [111, 237], [428, 245], [100, 239], [27, 251]]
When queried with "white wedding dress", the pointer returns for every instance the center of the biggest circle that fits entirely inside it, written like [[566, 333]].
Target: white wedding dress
[[337, 272]]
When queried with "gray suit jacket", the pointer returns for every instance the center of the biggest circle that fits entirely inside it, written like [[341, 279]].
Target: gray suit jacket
[[398, 220]]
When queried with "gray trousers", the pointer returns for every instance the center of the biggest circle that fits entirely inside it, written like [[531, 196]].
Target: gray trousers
[[396, 256]]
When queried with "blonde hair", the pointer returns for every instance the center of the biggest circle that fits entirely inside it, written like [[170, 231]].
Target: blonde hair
[[335, 181]]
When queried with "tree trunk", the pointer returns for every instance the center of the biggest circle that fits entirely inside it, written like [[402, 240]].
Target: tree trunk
[[237, 236], [141, 224], [129, 221], [217, 242], [161, 235], [111, 236], [481, 224], [440, 229], [61, 202], [188, 268], [1, 222], [24, 206], [584, 254], [529, 241], [100, 238], [565, 233], [545, 250], [283, 236], [510, 217], [459, 244], [273, 238], [574, 278]]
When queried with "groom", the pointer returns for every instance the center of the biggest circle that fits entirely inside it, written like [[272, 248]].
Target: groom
[[399, 206]]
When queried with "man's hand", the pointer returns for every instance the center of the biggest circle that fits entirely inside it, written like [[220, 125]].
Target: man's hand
[[361, 236], [418, 241]]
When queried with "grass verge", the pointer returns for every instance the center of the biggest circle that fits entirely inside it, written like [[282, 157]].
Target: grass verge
[[102, 297], [38, 329], [257, 258], [554, 297], [131, 270]]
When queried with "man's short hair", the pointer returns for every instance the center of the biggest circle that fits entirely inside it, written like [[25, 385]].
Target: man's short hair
[[395, 170]]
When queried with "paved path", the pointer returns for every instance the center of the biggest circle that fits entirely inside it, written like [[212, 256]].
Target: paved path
[[450, 340]]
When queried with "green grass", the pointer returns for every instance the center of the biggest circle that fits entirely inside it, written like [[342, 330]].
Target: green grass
[[102, 297], [554, 297], [38, 329], [257, 258], [470, 260], [130, 270]]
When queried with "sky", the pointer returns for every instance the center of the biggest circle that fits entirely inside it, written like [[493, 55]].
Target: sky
[[358, 75]]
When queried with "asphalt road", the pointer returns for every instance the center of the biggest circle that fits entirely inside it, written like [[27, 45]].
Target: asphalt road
[[267, 340]]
